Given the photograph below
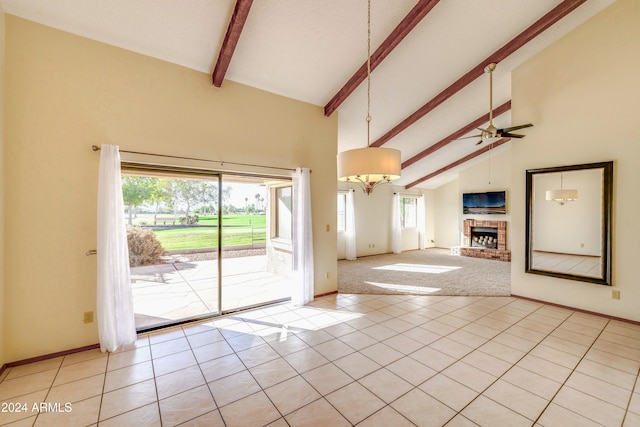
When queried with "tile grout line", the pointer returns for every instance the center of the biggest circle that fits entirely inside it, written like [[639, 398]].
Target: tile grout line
[[333, 364], [203, 377], [330, 362], [563, 384], [104, 384], [564, 321], [511, 367], [478, 349], [635, 385], [417, 387], [413, 387], [235, 353], [153, 370]]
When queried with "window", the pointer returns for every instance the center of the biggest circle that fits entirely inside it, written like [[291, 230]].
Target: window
[[342, 211], [409, 211], [283, 213]]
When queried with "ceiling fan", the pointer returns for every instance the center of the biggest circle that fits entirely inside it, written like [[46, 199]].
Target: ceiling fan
[[492, 132]]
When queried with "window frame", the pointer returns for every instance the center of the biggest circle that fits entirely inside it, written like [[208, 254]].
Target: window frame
[[403, 212], [275, 214], [341, 194]]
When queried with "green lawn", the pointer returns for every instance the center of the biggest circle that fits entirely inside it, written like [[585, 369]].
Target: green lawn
[[255, 221], [236, 230], [237, 220]]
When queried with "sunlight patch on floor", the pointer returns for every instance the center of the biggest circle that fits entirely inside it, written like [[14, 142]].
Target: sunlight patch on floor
[[405, 288], [418, 268], [281, 320]]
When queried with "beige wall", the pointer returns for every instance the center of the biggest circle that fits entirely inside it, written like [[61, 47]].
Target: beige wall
[[67, 93], [2, 185], [448, 203], [583, 96]]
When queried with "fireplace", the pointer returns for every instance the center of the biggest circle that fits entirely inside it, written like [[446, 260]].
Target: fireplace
[[485, 239]]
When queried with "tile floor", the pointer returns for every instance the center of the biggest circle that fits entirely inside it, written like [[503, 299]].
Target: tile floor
[[567, 263], [344, 360]]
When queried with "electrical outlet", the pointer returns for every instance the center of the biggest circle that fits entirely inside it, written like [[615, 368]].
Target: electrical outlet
[[615, 294], [328, 227], [88, 317], [326, 275], [582, 245]]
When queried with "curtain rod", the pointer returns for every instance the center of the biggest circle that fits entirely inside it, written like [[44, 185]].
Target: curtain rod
[[222, 163], [409, 194]]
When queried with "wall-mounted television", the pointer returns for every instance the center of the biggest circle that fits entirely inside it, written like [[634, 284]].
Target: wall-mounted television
[[490, 202]]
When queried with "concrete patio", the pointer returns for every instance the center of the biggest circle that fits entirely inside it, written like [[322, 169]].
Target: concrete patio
[[180, 290]]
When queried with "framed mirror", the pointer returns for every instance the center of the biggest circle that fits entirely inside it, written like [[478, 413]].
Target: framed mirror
[[569, 211]]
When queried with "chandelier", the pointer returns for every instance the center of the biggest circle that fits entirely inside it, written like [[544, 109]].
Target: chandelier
[[369, 166], [561, 196]]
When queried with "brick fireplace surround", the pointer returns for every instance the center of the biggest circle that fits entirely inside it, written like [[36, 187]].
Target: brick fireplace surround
[[501, 253]]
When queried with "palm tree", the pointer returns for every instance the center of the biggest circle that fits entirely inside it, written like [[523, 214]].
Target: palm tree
[[258, 199]]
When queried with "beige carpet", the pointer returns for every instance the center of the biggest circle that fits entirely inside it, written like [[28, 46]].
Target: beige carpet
[[430, 272]]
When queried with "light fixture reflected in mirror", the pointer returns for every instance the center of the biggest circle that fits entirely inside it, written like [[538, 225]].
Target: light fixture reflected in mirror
[[561, 196], [370, 166]]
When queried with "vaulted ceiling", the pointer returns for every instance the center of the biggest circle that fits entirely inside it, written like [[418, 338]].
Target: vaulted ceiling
[[428, 56]]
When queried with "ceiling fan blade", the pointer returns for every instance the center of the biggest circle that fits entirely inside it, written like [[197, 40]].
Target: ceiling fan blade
[[512, 135], [528, 125]]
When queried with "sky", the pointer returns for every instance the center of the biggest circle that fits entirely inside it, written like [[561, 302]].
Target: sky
[[240, 191]]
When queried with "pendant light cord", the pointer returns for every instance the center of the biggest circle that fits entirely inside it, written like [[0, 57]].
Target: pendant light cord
[[490, 157], [490, 97], [369, 73]]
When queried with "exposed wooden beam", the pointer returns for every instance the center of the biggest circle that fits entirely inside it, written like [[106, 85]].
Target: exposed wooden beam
[[553, 16], [415, 15], [457, 134], [458, 162], [239, 17]]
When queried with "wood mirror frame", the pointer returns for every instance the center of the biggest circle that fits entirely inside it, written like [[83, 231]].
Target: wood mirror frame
[[564, 257]]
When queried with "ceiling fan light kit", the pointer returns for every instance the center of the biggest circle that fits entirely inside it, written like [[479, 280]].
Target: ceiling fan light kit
[[369, 166], [492, 134]]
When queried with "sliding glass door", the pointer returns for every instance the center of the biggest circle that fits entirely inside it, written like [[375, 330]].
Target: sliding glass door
[[204, 244], [255, 264]]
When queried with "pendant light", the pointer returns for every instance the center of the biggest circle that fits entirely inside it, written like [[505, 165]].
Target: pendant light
[[561, 196], [369, 166]]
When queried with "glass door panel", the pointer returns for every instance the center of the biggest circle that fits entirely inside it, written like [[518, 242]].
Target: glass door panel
[[256, 267], [173, 246]]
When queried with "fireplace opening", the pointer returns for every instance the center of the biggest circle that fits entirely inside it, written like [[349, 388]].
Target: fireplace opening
[[484, 237]]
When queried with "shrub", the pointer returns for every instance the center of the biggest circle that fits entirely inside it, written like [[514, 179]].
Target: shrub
[[144, 247], [189, 220]]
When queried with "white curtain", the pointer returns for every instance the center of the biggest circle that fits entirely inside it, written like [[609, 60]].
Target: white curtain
[[116, 324], [422, 226], [350, 227], [303, 285], [396, 225]]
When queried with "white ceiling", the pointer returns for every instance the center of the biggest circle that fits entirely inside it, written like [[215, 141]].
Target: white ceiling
[[308, 49]]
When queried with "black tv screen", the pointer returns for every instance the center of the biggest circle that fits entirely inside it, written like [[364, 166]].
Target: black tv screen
[[491, 202]]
